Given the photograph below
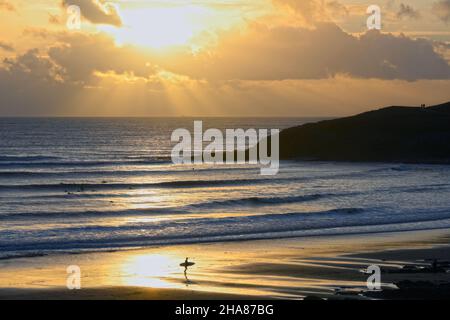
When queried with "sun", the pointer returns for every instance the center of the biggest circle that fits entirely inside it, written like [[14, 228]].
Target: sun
[[159, 27]]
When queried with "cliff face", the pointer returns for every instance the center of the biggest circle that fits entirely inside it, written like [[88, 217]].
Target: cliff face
[[404, 134]]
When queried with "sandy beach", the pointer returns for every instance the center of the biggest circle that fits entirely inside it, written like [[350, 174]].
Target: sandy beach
[[322, 267]]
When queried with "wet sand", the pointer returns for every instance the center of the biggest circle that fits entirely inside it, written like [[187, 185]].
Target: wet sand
[[115, 293], [325, 267]]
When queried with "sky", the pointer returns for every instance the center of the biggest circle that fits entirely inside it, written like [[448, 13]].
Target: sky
[[275, 58]]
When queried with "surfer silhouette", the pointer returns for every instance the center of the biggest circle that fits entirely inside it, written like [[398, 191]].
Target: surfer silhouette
[[186, 264]]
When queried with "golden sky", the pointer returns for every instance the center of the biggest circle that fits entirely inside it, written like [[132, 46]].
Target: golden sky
[[221, 57]]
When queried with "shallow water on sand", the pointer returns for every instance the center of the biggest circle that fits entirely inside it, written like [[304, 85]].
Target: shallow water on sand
[[283, 268]]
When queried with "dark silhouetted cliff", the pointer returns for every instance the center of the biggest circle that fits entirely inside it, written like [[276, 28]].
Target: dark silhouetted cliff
[[399, 134]]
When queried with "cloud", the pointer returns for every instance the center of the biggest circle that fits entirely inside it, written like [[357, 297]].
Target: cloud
[[81, 55], [33, 65], [390, 4], [6, 46], [32, 86], [77, 66], [97, 11], [54, 19], [30, 82], [406, 11], [281, 70], [307, 9], [312, 11], [87, 75], [441, 9], [281, 53], [7, 6], [261, 53], [336, 8]]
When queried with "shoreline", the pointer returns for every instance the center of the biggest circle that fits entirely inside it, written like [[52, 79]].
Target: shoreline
[[210, 242], [292, 268]]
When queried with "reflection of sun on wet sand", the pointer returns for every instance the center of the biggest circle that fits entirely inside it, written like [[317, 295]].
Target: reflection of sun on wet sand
[[327, 267]]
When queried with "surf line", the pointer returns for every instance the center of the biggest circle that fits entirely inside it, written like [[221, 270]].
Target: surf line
[[234, 148]]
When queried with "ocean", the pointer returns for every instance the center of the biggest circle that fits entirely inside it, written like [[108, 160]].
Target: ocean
[[85, 184]]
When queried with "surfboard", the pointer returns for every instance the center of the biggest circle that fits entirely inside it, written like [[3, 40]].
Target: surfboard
[[185, 265]]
